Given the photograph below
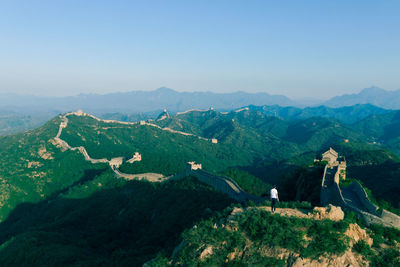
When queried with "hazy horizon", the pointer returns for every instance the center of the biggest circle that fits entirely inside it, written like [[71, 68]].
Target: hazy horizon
[[311, 97], [297, 49], [185, 91]]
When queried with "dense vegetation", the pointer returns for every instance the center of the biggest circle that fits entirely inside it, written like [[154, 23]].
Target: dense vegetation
[[348, 114], [383, 129], [32, 168], [304, 184], [80, 213], [385, 251], [131, 117], [258, 238], [267, 147], [162, 151], [105, 222]]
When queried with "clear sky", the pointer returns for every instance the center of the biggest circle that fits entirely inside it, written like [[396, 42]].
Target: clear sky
[[296, 48]]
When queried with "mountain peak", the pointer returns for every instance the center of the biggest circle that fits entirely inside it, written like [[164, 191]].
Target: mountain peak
[[372, 90], [165, 89], [373, 95]]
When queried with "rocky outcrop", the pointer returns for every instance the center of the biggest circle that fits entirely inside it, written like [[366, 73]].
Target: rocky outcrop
[[347, 259], [207, 252], [356, 233], [331, 212]]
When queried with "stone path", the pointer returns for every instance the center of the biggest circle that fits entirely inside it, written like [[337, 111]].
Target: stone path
[[351, 198]]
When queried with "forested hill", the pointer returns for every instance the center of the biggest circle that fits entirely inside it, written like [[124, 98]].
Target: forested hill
[[254, 127], [267, 147], [20, 118], [49, 192], [346, 114], [371, 159]]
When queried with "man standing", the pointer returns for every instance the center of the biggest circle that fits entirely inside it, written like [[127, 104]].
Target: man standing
[[274, 198]]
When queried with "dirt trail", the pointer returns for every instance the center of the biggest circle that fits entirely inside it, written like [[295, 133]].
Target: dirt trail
[[317, 213]]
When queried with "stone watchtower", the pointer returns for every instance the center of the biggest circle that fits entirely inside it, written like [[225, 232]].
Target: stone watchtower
[[330, 156], [333, 159], [192, 166]]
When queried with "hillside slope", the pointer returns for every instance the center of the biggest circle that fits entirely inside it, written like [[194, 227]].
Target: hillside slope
[[254, 237], [53, 200], [346, 114], [32, 167], [105, 222]]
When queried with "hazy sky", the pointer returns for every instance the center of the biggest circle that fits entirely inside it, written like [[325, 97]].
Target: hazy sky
[[297, 48]]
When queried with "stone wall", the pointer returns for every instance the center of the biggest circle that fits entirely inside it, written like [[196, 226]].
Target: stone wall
[[331, 193], [337, 196], [362, 195], [223, 184], [391, 218]]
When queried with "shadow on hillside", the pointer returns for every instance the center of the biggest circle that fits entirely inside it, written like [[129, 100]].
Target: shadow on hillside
[[88, 175], [294, 178], [392, 130], [125, 225], [382, 179], [270, 172]]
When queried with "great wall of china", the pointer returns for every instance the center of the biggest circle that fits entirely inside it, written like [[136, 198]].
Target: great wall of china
[[352, 197], [114, 162], [221, 183]]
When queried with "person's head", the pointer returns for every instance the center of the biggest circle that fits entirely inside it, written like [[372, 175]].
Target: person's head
[[274, 187]]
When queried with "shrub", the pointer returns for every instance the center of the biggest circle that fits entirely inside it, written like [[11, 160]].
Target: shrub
[[380, 232], [326, 239], [272, 230], [389, 258], [363, 248]]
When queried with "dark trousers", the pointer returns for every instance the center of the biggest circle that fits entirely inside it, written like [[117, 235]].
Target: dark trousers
[[273, 203]]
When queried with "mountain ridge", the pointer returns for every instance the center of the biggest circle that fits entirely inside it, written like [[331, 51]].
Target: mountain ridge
[[372, 95], [144, 101], [49, 193]]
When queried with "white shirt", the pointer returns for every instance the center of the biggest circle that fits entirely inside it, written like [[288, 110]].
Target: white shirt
[[274, 193]]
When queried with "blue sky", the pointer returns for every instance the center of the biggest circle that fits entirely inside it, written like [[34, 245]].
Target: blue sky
[[296, 48]]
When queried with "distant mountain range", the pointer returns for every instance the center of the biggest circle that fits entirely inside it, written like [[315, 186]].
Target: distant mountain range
[[144, 101], [347, 114], [12, 122], [173, 101], [24, 112], [373, 95]]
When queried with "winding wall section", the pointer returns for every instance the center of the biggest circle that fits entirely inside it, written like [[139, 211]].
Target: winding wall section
[[354, 198], [114, 162], [221, 183]]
